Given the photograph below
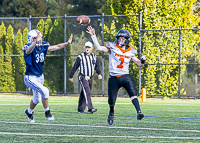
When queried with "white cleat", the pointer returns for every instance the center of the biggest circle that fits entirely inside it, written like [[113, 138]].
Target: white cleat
[[48, 116], [29, 116]]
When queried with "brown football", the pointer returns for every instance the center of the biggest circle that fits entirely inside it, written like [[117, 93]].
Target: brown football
[[83, 20]]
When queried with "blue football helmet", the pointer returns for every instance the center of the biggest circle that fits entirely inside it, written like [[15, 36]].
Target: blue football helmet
[[33, 34]]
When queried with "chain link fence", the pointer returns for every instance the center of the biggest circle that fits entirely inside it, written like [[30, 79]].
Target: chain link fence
[[161, 75]]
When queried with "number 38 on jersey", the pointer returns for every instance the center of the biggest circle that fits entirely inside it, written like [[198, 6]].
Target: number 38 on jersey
[[39, 57]]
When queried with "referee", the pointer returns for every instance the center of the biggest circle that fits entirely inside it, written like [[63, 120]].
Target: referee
[[86, 63]]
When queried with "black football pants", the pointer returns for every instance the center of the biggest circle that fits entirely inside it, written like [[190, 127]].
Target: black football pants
[[115, 83]]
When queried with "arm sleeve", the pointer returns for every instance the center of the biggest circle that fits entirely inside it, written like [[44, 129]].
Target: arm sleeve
[[46, 45], [96, 43], [28, 58], [76, 65], [97, 67]]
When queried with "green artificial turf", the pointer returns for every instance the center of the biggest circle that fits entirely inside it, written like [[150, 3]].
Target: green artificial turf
[[172, 120]]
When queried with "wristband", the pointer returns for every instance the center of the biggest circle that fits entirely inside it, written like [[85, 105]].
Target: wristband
[[142, 61]]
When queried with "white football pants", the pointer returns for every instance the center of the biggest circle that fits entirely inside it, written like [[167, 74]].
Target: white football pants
[[37, 85]]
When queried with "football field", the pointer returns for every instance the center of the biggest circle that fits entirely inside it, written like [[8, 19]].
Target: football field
[[169, 120]]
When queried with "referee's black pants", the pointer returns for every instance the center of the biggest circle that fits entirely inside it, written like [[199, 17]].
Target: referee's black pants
[[85, 95], [115, 83]]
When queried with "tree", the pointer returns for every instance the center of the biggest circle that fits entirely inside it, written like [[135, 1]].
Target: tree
[[2, 43], [48, 25], [19, 63], [53, 8], [80, 7], [9, 8], [24, 36], [70, 86], [162, 46], [23, 8], [32, 7], [8, 69], [41, 26], [54, 65]]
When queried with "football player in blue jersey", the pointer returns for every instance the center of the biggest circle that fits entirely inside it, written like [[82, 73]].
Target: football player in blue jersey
[[34, 55]]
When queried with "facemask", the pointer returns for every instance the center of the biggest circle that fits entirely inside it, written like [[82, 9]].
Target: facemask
[[121, 44]]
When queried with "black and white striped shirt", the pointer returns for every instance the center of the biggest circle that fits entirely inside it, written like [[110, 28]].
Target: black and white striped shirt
[[86, 64]]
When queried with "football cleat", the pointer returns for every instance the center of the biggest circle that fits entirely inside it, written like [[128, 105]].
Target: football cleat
[[80, 112], [29, 116], [48, 116], [110, 119], [92, 110], [140, 116]]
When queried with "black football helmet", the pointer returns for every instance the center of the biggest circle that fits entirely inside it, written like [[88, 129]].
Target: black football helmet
[[123, 33]]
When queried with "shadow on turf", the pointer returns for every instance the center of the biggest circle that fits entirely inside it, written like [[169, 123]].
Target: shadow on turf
[[158, 117], [66, 112], [125, 115]]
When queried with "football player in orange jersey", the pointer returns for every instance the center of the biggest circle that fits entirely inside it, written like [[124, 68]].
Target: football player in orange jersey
[[120, 54]]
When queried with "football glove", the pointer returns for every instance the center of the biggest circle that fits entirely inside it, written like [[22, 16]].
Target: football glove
[[143, 59]]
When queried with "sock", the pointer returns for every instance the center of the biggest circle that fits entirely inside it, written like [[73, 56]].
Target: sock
[[111, 109], [30, 111], [137, 105], [46, 109]]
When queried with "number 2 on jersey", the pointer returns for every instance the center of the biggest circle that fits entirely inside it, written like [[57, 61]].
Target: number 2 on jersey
[[121, 64]]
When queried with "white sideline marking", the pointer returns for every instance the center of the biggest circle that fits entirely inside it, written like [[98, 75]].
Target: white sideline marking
[[96, 136], [111, 127], [103, 103], [16, 104], [41, 104]]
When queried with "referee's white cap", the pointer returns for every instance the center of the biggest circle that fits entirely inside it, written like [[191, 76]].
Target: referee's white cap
[[88, 44]]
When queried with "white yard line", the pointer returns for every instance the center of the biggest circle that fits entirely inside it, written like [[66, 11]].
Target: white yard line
[[97, 136], [103, 103], [111, 127], [15, 104]]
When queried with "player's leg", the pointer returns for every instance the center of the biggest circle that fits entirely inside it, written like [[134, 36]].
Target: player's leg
[[29, 112], [113, 87], [48, 115], [36, 83], [45, 100], [32, 106], [35, 100], [129, 85]]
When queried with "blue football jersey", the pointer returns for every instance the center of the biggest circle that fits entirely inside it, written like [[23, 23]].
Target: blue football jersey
[[35, 60]]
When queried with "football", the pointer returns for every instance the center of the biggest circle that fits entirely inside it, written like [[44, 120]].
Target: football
[[83, 20]]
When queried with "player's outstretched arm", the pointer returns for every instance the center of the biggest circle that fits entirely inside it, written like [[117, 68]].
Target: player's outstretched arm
[[91, 31], [140, 63], [61, 45]]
